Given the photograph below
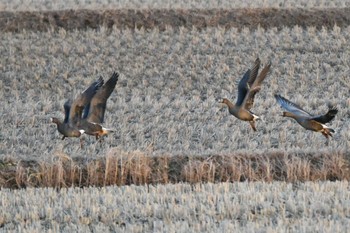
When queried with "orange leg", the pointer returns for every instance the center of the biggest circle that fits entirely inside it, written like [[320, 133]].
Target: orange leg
[[252, 124], [81, 143]]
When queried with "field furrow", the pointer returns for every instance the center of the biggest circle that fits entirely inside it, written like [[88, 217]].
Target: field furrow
[[253, 18]]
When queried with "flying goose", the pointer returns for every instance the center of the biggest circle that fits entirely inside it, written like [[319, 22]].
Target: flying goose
[[249, 85], [93, 115], [83, 100], [95, 110], [69, 128], [305, 119]]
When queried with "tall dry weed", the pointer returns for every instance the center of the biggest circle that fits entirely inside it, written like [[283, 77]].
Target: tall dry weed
[[199, 171], [135, 167], [297, 169], [128, 167]]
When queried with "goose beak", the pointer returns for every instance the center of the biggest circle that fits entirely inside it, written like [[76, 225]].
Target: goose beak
[[221, 104]]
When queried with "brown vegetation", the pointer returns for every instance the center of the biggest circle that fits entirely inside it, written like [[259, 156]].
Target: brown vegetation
[[17, 21], [121, 168]]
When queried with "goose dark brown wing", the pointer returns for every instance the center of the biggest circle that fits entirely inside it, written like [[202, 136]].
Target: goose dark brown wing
[[242, 88], [326, 117], [97, 107], [66, 107], [262, 76], [249, 98], [253, 73], [82, 100], [255, 87], [247, 81]]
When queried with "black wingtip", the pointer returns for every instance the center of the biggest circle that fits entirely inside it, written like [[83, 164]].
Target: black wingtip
[[332, 111], [331, 114], [280, 99], [115, 75], [277, 96], [99, 82]]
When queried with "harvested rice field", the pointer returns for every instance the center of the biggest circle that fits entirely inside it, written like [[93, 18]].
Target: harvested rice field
[[167, 98], [224, 207], [177, 161]]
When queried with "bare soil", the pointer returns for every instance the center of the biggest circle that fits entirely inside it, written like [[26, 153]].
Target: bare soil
[[161, 18]]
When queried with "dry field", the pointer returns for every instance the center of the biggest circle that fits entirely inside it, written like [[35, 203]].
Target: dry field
[[169, 125], [166, 101], [224, 207]]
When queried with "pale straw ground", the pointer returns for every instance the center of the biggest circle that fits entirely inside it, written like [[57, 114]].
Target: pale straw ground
[[224, 207], [166, 103], [167, 98]]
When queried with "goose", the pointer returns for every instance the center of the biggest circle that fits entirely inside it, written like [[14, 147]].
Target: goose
[[94, 111], [81, 101], [69, 128], [305, 119], [248, 86]]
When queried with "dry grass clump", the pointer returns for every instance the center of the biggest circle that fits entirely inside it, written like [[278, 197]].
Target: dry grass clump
[[39, 5], [137, 168], [118, 168], [223, 207]]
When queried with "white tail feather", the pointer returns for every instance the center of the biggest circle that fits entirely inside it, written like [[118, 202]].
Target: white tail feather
[[108, 130], [255, 117], [326, 127]]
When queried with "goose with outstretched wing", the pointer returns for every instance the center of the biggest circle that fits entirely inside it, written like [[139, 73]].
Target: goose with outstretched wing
[[305, 119], [94, 112], [69, 127], [248, 86]]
